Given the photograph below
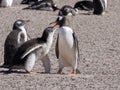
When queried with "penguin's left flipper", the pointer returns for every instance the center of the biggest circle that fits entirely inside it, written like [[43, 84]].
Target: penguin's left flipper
[[76, 43], [31, 49], [56, 48]]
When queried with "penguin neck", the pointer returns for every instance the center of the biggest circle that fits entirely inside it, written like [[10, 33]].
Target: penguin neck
[[48, 38], [64, 22]]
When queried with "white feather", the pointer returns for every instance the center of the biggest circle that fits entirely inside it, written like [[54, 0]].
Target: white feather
[[30, 62], [31, 50]]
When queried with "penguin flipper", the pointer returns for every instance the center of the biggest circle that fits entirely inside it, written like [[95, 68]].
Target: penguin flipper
[[76, 43], [31, 49], [56, 48]]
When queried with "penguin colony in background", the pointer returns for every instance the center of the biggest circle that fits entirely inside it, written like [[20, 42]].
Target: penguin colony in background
[[21, 53]]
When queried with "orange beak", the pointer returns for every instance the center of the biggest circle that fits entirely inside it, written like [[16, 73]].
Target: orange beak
[[27, 21], [55, 24]]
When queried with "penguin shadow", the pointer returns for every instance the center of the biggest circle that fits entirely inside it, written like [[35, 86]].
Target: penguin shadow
[[11, 72]]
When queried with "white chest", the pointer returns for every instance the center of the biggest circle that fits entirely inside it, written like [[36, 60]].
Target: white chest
[[66, 37], [6, 3]]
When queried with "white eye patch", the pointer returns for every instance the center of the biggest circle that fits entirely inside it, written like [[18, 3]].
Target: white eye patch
[[19, 22]]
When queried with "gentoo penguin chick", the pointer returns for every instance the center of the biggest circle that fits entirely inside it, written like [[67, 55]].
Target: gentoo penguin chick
[[67, 10], [45, 5], [14, 39], [67, 50], [84, 5], [26, 54], [6, 3], [99, 6]]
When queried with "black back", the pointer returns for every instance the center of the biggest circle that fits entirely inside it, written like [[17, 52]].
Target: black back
[[84, 5], [98, 8]]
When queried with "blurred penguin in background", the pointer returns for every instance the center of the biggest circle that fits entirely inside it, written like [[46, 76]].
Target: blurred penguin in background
[[6, 3]]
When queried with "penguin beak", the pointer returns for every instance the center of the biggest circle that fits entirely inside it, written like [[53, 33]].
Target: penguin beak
[[27, 21], [55, 24]]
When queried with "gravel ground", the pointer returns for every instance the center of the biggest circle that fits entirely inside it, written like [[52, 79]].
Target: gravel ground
[[99, 43]]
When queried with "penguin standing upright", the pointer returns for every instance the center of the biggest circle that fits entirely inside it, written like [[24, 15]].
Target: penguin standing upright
[[26, 54], [14, 39], [99, 6], [67, 50], [6, 3]]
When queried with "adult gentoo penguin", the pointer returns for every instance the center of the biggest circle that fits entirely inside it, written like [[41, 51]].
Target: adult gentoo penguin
[[6, 3], [45, 5], [84, 5], [26, 54], [67, 10], [28, 1], [99, 6], [67, 50], [14, 39]]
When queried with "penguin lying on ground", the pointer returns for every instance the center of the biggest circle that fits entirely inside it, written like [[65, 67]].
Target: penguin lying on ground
[[46, 5], [98, 6], [67, 50], [6, 3], [28, 1], [84, 5], [14, 39], [26, 54], [67, 10]]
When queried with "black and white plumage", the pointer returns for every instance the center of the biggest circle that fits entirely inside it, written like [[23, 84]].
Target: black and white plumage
[[67, 10], [99, 6], [28, 1], [67, 50], [84, 5], [6, 3], [45, 5], [26, 54], [14, 39]]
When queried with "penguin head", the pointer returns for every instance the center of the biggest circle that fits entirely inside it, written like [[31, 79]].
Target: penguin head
[[67, 10], [54, 7], [48, 32], [60, 21], [19, 23]]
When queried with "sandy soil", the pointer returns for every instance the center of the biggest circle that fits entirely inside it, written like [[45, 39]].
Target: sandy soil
[[99, 43]]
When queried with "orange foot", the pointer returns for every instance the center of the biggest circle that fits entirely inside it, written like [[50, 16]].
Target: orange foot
[[73, 73]]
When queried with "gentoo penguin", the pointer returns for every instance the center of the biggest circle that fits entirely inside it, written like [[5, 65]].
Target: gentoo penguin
[[67, 50], [26, 54], [67, 10], [45, 5], [28, 1], [14, 39], [6, 3], [84, 5], [99, 6]]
